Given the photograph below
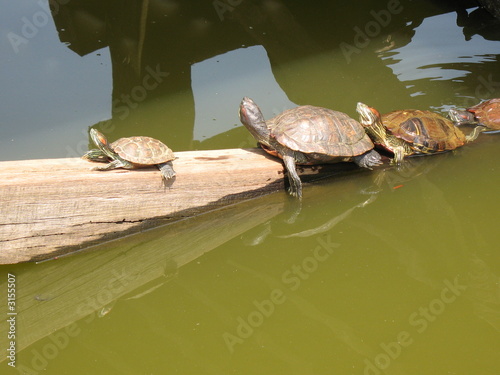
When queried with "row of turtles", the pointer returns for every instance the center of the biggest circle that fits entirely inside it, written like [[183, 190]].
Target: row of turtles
[[316, 135]]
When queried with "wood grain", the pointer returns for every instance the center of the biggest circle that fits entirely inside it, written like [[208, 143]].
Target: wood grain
[[56, 206]]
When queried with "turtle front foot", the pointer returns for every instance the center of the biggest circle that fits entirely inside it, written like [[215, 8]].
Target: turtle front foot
[[167, 173], [167, 170], [113, 165], [99, 169], [369, 159], [295, 188], [472, 136], [295, 192]]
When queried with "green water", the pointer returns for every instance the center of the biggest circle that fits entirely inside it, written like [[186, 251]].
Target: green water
[[383, 272]]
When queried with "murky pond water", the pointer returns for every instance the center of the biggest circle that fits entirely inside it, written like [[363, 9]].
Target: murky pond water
[[383, 272]]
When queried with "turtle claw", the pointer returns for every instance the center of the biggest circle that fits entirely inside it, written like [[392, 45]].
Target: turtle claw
[[294, 192], [167, 170], [295, 188], [167, 173], [369, 159]]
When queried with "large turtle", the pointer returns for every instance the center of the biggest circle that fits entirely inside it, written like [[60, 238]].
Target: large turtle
[[309, 135], [131, 153], [410, 131], [485, 114]]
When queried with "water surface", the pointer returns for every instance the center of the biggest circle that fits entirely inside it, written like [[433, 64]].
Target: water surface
[[383, 272]]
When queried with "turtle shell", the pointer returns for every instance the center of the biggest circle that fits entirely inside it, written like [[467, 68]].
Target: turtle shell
[[488, 113], [316, 130], [425, 131], [142, 150]]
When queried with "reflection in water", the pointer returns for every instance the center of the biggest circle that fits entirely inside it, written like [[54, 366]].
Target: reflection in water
[[141, 39], [170, 38], [411, 62], [349, 278], [330, 223], [50, 95], [478, 22], [167, 297], [226, 76]]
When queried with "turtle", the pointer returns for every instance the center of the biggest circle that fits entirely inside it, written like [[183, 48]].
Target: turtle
[[410, 131], [131, 153], [309, 135], [486, 115]]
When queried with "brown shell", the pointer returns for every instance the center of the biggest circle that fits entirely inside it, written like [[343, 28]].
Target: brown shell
[[488, 113], [310, 129], [425, 130], [142, 150]]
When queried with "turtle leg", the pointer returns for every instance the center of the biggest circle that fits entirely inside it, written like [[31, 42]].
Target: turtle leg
[[399, 154], [295, 188], [475, 133], [368, 160], [167, 170], [115, 164]]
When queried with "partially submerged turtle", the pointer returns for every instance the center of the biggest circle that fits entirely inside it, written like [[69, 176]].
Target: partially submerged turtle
[[410, 131], [485, 114], [131, 153], [309, 135]]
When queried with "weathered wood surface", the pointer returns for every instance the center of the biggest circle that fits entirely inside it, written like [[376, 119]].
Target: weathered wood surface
[[52, 207]]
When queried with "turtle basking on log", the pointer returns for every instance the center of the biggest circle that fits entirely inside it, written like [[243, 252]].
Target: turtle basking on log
[[411, 131], [309, 135], [131, 153]]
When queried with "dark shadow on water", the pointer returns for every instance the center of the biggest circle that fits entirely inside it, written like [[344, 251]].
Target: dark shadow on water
[[153, 45]]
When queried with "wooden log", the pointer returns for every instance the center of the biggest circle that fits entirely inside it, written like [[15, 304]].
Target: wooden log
[[53, 207]]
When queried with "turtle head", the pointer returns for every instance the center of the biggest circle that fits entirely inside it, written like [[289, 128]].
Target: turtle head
[[462, 117], [98, 138], [253, 119], [100, 141], [95, 155], [368, 116], [371, 120]]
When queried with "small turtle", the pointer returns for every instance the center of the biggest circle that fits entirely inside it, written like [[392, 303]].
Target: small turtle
[[485, 114], [410, 131], [309, 135], [131, 153]]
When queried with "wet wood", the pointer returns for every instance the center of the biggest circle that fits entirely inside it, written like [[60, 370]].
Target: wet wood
[[53, 207]]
